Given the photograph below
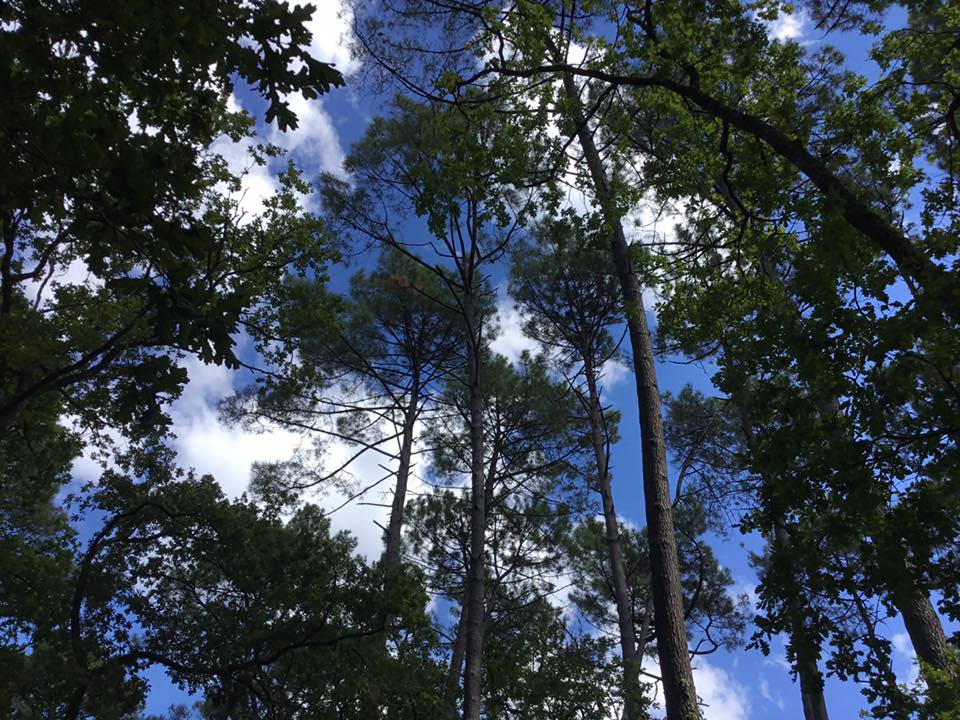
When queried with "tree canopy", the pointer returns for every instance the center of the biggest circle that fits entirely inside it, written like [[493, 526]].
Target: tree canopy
[[611, 367]]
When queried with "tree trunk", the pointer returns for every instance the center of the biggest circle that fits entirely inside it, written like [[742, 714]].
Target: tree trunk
[[939, 288], [811, 679], [676, 673], [811, 691], [476, 573], [395, 526], [925, 630], [455, 669], [628, 650], [808, 672]]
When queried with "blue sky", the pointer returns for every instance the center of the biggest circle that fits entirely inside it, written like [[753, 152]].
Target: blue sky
[[738, 685]]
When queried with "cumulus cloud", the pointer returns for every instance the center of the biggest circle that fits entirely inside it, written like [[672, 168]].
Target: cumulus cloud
[[904, 659], [314, 143], [206, 444], [770, 696], [721, 696], [228, 453], [511, 342], [257, 182], [330, 27], [787, 25], [613, 372]]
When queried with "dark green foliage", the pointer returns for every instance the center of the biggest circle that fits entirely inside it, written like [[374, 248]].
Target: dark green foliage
[[109, 115], [814, 269], [264, 617], [714, 617], [535, 665]]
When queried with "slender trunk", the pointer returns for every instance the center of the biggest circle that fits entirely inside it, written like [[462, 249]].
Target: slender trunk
[[455, 669], [808, 672], [628, 650], [919, 616], [476, 573], [395, 526], [811, 691], [811, 679], [391, 555], [676, 673], [925, 630]]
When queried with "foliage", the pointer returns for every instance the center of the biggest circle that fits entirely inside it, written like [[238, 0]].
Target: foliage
[[714, 617], [812, 271]]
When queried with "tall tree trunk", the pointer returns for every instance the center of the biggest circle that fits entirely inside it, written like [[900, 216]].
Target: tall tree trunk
[[676, 674], [925, 629], [391, 556], [811, 691], [395, 526], [919, 616], [811, 679], [455, 669], [476, 573], [808, 672], [628, 650]]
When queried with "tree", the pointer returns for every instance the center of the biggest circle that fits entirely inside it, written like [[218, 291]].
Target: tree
[[366, 379], [782, 368], [571, 303], [711, 435], [109, 118], [109, 115], [713, 617], [259, 614], [531, 450], [531, 465], [457, 172]]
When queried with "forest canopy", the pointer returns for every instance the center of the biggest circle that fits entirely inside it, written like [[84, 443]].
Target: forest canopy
[[543, 359]]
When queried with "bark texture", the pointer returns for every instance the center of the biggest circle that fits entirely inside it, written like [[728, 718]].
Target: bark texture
[[925, 630], [677, 676], [455, 669], [808, 672], [628, 650], [939, 288], [395, 525], [811, 679], [476, 573]]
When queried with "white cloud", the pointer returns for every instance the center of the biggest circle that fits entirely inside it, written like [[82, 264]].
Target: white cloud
[[723, 697], [904, 659], [511, 342], [613, 373], [75, 273], [227, 453], [256, 182], [314, 141], [314, 144], [746, 588], [787, 25], [778, 654], [775, 699], [204, 443]]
